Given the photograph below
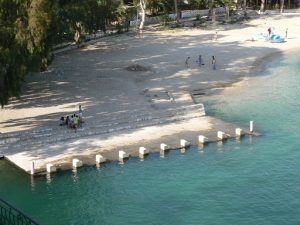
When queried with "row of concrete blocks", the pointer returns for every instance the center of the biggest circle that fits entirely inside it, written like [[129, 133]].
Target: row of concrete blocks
[[50, 168]]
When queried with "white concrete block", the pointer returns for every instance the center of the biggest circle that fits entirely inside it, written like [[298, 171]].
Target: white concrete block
[[239, 132], [184, 143], [32, 169], [221, 135], [164, 147], [123, 155], [143, 151], [50, 168], [77, 163], [100, 159], [251, 126], [202, 139]]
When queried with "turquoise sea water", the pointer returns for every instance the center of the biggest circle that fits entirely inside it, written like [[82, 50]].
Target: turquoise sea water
[[252, 181]]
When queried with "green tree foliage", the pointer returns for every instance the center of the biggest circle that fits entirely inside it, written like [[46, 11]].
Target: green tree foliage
[[199, 4], [23, 42], [12, 52], [40, 17], [86, 16], [160, 6], [30, 28]]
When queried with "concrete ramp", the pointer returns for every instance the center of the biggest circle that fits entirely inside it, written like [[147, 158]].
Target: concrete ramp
[[47, 144]]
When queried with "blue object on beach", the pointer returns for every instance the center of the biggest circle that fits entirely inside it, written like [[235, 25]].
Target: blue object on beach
[[275, 38]]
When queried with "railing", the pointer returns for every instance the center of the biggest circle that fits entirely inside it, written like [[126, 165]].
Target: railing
[[9, 215]]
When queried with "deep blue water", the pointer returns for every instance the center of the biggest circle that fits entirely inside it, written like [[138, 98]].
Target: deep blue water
[[251, 181]]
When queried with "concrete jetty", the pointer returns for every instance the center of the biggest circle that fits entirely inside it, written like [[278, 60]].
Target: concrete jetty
[[134, 92], [44, 147]]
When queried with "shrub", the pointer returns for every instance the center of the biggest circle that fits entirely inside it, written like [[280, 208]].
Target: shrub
[[163, 19]]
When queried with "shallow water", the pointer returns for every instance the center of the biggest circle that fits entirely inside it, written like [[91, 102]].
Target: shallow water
[[248, 181]]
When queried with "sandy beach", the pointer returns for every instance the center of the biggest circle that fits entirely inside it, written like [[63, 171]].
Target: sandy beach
[[119, 78]]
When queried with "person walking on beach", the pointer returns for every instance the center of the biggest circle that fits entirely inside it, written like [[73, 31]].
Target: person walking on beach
[[215, 36], [80, 109], [80, 116], [269, 31], [200, 60], [286, 31], [187, 62], [213, 63]]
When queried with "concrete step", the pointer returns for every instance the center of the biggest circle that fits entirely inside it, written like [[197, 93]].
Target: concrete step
[[55, 134], [91, 132]]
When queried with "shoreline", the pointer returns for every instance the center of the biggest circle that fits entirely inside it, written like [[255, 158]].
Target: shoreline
[[260, 64], [256, 69], [61, 153]]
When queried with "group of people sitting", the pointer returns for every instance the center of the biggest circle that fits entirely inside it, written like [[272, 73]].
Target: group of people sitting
[[72, 121]]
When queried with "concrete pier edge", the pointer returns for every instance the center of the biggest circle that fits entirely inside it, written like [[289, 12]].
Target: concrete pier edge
[[65, 166]]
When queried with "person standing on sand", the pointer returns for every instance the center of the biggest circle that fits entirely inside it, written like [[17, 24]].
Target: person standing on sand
[[286, 31], [200, 60], [216, 36], [269, 31], [213, 63], [80, 113], [187, 62]]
